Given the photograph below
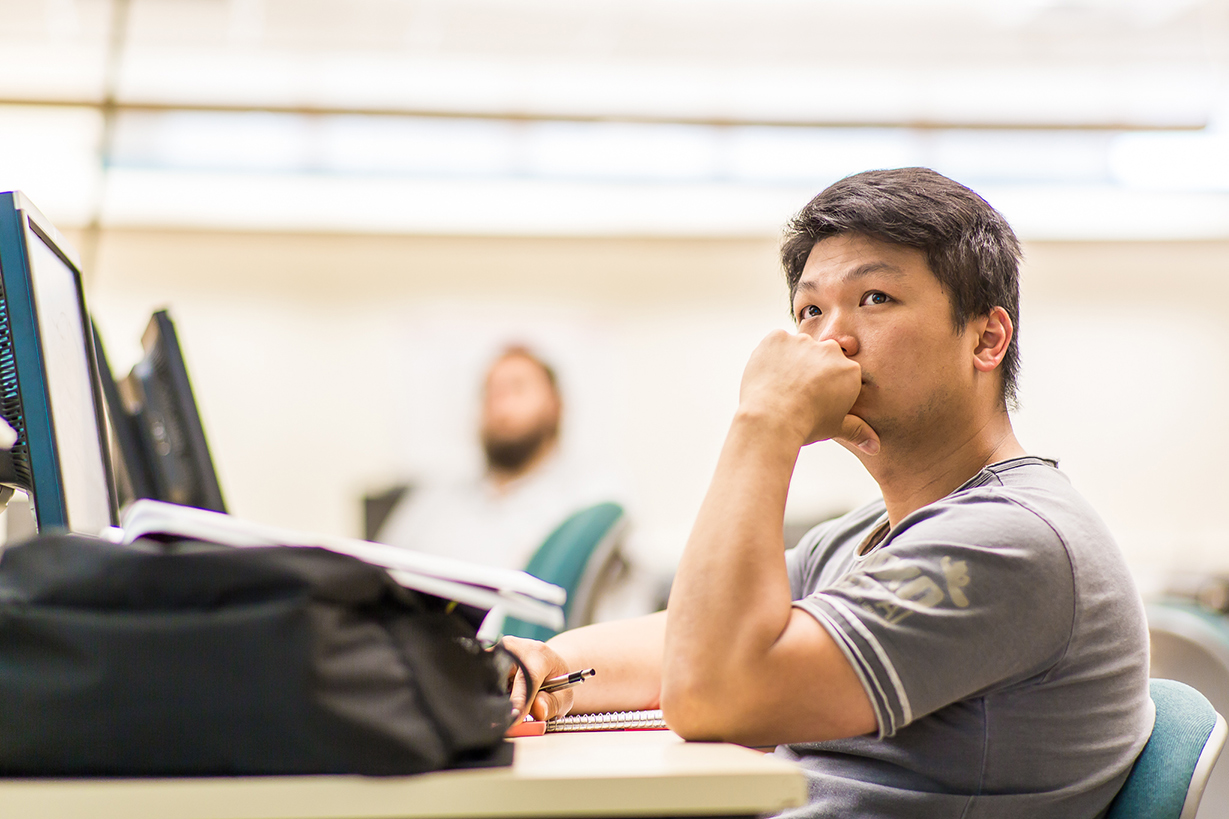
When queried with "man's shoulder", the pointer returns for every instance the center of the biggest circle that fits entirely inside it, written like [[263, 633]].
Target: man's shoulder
[[1027, 496], [1021, 512], [1023, 508]]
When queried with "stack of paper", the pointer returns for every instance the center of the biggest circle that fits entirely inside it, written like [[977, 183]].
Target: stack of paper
[[503, 592]]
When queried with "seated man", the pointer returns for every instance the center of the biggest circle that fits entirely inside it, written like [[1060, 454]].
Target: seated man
[[503, 516], [972, 644]]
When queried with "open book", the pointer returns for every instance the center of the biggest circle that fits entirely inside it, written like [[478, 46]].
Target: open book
[[500, 591]]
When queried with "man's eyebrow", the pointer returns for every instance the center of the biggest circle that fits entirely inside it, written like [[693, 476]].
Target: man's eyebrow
[[859, 272], [865, 270]]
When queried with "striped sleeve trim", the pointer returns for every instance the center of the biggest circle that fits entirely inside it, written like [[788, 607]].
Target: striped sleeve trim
[[866, 655]]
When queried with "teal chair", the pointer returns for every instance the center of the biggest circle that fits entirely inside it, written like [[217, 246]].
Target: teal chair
[[1190, 644], [575, 557], [1168, 778]]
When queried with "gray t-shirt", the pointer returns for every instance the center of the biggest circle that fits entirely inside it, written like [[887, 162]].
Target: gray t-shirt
[[1003, 646]]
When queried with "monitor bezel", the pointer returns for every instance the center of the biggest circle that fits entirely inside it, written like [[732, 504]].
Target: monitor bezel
[[47, 494], [161, 339]]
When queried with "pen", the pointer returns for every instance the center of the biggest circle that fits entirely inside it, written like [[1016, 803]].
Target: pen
[[567, 680]]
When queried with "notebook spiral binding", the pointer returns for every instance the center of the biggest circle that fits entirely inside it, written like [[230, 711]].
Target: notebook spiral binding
[[611, 721]]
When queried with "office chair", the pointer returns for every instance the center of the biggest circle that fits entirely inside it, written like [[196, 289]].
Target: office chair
[[378, 508], [1168, 778], [1190, 644], [576, 556]]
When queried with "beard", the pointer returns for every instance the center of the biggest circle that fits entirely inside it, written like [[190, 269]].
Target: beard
[[512, 454]]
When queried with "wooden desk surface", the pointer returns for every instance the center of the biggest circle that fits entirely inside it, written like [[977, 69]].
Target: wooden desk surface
[[632, 773]]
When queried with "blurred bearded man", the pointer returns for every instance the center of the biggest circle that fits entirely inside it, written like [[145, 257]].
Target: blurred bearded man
[[504, 515], [520, 416]]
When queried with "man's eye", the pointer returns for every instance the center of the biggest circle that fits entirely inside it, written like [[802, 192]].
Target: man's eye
[[876, 298], [810, 311]]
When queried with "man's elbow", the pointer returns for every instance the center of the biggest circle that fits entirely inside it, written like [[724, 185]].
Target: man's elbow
[[725, 709], [698, 710]]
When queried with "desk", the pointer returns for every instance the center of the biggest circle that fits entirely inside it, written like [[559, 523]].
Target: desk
[[627, 773]]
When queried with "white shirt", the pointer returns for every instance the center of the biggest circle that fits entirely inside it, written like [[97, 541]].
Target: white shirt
[[478, 522]]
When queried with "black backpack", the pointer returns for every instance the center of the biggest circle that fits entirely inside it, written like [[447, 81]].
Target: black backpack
[[185, 658]]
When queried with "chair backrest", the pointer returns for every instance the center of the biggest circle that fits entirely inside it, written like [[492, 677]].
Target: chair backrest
[[1168, 778], [378, 508], [1190, 643], [573, 557]]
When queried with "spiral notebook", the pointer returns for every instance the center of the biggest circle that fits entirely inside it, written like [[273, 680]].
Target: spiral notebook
[[611, 721]]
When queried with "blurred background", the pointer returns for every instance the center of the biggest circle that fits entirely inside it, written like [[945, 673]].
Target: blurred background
[[348, 207]]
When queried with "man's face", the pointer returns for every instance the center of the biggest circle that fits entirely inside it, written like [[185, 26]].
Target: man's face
[[890, 314], [520, 411]]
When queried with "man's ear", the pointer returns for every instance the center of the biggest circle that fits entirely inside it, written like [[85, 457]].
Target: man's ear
[[995, 332]]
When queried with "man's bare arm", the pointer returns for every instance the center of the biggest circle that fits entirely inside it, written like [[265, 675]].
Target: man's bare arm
[[626, 654], [740, 662]]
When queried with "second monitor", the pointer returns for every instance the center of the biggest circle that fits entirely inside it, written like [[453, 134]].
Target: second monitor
[[157, 427]]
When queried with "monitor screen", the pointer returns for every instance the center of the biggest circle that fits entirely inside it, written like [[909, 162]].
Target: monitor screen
[[49, 387], [79, 442]]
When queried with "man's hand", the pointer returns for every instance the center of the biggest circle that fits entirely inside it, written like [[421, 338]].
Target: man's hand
[[542, 662], [807, 387]]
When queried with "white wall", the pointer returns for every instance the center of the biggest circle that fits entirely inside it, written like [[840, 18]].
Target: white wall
[[1126, 379], [329, 365]]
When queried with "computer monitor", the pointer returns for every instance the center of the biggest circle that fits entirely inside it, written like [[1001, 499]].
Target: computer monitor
[[159, 437], [49, 388], [129, 461]]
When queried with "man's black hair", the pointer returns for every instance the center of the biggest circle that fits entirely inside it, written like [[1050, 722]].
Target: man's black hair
[[969, 246]]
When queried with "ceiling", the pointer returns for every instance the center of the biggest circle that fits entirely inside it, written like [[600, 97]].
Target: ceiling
[[676, 117]]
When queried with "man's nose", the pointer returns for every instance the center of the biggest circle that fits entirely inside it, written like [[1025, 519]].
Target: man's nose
[[838, 329]]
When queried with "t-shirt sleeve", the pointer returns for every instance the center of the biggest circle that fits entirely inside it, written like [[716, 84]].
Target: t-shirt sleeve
[[793, 568], [806, 556], [968, 596]]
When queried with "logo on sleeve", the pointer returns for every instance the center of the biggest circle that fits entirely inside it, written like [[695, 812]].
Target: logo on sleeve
[[894, 588]]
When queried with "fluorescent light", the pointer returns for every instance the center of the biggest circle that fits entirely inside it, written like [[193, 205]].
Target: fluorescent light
[[1109, 213], [1185, 162], [621, 151], [814, 155], [276, 202], [290, 202]]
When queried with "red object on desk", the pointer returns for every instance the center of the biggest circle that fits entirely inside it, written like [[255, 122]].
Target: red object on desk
[[528, 728]]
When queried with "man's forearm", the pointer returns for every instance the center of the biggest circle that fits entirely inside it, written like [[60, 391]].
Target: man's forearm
[[627, 655], [731, 598]]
